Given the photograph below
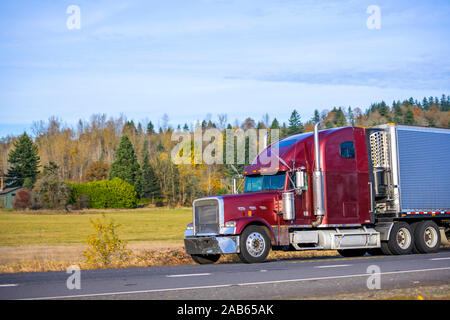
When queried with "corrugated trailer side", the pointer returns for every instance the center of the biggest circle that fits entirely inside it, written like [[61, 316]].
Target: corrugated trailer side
[[410, 170], [423, 169]]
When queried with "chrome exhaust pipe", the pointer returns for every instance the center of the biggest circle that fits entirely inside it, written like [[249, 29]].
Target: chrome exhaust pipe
[[318, 189]]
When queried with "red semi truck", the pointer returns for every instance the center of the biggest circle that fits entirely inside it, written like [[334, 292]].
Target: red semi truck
[[378, 190]]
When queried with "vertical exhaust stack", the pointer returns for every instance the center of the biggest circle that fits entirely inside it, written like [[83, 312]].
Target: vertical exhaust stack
[[319, 207]]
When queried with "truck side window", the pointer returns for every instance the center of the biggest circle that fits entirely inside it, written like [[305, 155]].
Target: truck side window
[[347, 150]]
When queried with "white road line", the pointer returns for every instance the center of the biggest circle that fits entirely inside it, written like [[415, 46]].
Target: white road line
[[235, 284], [435, 259], [187, 275], [9, 285], [333, 266]]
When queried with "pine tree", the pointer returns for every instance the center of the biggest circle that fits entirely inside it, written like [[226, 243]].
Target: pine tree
[[295, 124], [409, 117], [398, 114], [149, 183], [24, 161], [275, 124], [425, 104], [150, 128], [383, 109], [316, 117], [339, 118], [350, 116], [125, 165]]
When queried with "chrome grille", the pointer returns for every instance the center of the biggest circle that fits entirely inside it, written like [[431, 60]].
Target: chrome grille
[[206, 216]]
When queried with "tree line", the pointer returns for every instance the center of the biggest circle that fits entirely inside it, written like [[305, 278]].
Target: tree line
[[140, 154]]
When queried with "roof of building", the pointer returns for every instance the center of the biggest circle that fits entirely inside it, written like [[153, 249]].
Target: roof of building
[[8, 190]]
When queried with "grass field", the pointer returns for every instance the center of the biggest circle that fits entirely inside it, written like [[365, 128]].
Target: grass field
[[47, 229], [51, 241]]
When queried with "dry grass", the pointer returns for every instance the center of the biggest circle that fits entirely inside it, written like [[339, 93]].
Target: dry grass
[[158, 255]]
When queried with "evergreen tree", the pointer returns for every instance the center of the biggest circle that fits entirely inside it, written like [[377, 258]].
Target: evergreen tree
[[275, 124], [150, 128], [351, 117], [160, 147], [295, 124], [316, 117], [125, 165], [409, 117], [24, 161], [149, 183], [444, 103], [398, 114], [339, 117], [383, 109], [425, 104]]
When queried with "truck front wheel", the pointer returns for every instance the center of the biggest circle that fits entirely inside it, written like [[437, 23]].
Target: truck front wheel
[[254, 245], [205, 258]]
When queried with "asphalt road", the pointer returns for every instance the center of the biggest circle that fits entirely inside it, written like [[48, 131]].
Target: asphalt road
[[285, 279]]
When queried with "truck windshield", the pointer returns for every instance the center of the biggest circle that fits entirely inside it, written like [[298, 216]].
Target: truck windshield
[[260, 183]]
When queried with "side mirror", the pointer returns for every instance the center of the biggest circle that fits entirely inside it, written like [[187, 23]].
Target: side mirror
[[301, 182]]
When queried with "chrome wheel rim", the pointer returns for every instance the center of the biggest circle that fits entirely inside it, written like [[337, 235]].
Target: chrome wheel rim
[[255, 244], [403, 238], [430, 237]]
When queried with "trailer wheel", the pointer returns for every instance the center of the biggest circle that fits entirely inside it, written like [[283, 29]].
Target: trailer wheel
[[254, 244], [205, 258], [352, 252], [427, 237], [401, 239]]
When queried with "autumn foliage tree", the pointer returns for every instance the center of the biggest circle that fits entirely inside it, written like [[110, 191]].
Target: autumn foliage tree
[[140, 152], [97, 171]]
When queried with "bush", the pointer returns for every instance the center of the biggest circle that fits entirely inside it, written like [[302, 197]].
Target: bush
[[114, 193], [104, 246], [22, 200], [51, 193], [159, 203]]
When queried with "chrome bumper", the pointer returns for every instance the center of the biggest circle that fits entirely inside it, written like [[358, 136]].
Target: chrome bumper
[[212, 245]]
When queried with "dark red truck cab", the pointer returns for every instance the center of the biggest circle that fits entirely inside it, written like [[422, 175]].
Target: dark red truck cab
[[325, 197]]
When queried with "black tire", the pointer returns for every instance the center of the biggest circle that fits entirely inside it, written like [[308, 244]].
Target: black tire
[[401, 239], [385, 248], [352, 252], [254, 245], [427, 237], [205, 258], [375, 252]]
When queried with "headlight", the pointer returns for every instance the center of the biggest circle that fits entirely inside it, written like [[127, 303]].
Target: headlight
[[230, 224], [190, 226]]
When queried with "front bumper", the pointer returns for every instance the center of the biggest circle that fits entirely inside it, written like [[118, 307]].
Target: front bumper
[[212, 245]]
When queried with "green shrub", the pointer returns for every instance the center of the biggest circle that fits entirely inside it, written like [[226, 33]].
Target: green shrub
[[104, 246], [115, 193]]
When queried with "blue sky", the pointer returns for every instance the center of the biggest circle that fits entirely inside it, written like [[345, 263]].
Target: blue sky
[[194, 57]]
